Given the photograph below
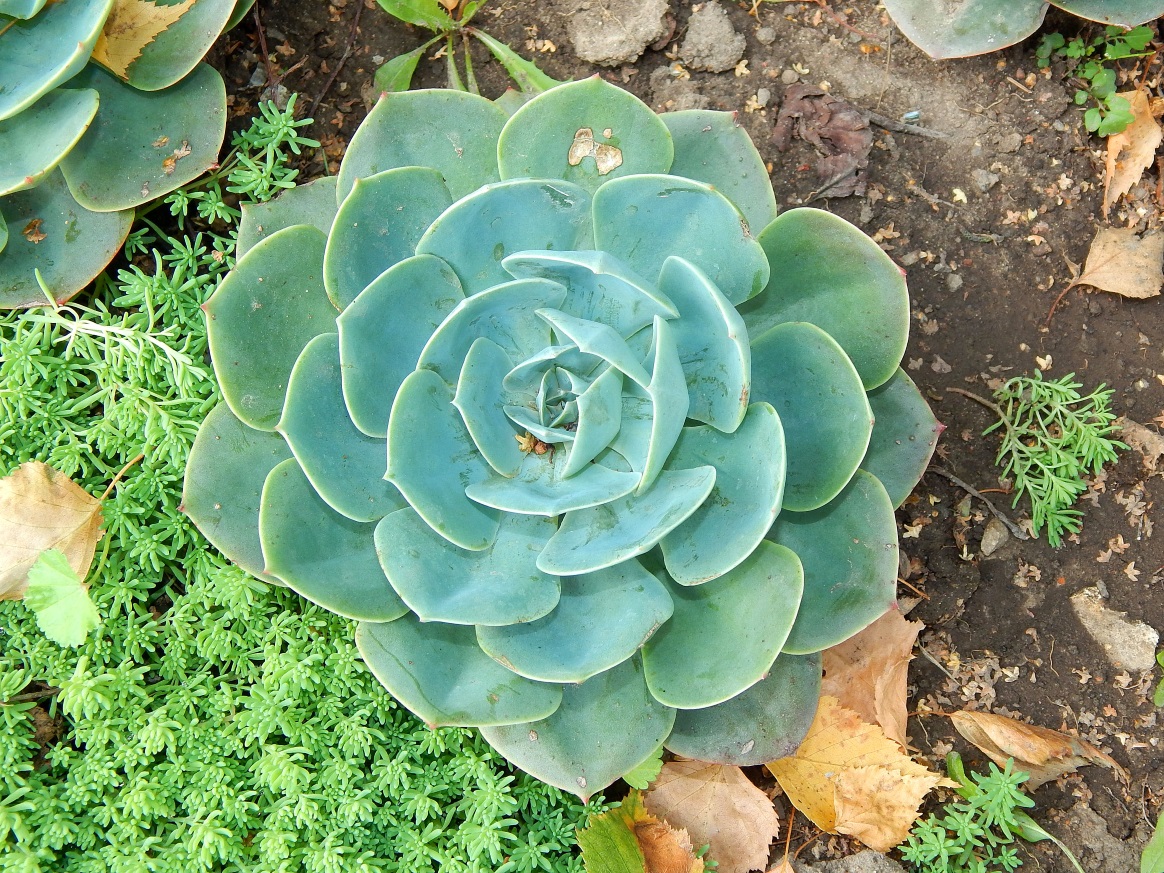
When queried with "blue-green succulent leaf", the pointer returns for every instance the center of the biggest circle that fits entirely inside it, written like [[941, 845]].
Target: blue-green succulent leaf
[[324, 556], [505, 314], [602, 619], [543, 487], [55, 236], [749, 483], [223, 488], [586, 132], [443, 582], [1123, 13], [849, 553], [378, 226], [600, 340], [383, 331], [669, 401], [3, 232], [826, 272], [904, 437], [599, 417], [21, 8], [40, 53], [345, 466], [34, 142], [712, 147], [173, 53], [713, 346], [241, 8], [431, 459], [645, 219], [453, 132], [764, 723], [157, 140], [604, 727], [726, 633], [817, 393], [966, 27], [312, 203], [440, 673], [261, 317], [529, 420], [599, 287], [600, 537], [477, 232], [481, 402]]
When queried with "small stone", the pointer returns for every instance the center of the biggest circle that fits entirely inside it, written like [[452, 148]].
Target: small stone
[[994, 537], [953, 282], [763, 95], [984, 179], [766, 35], [1010, 143], [862, 862], [790, 77], [712, 43], [1128, 643], [614, 32]]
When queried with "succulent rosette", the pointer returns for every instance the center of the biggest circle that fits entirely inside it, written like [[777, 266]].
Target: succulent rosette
[[596, 468]]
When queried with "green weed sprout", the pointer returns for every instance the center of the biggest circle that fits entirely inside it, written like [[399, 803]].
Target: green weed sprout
[[1089, 60], [1052, 438], [213, 722], [448, 21], [978, 833], [1158, 698]]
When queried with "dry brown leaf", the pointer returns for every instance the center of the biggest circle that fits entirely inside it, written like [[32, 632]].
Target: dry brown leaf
[[41, 509], [867, 673], [666, 849], [785, 866], [629, 837], [33, 233], [130, 27], [1042, 752], [1131, 152], [1147, 442], [849, 778], [1123, 263], [717, 805]]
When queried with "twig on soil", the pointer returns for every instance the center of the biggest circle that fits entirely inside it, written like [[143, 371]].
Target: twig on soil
[[901, 127], [263, 46], [913, 588], [937, 664], [343, 60], [1017, 532], [31, 695]]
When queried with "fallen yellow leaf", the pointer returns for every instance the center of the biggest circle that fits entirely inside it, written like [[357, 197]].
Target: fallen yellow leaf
[[41, 509], [1123, 263], [628, 839], [867, 673], [1043, 753], [717, 805], [130, 27], [1131, 152], [849, 778]]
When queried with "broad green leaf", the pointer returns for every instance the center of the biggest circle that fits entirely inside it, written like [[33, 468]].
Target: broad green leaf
[[43, 52], [60, 600], [960, 28], [608, 843], [713, 147], [438, 672], [1152, 861], [158, 140], [725, 633], [35, 141], [223, 486], [261, 317], [315, 551], [396, 74], [424, 13], [54, 237], [604, 727], [525, 73], [764, 723]]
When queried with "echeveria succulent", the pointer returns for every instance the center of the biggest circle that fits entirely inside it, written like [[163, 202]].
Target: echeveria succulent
[[104, 105], [959, 28], [596, 468]]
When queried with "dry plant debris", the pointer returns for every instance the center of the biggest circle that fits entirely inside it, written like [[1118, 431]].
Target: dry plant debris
[[717, 805], [1124, 263], [1132, 151], [849, 778], [1043, 753], [1143, 440], [867, 673], [43, 509]]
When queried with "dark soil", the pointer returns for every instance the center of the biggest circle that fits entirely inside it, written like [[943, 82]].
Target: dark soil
[[985, 268]]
